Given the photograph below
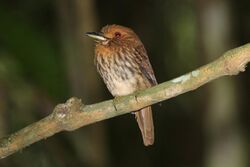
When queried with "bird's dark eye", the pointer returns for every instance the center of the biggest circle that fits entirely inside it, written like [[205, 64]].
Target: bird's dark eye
[[117, 34]]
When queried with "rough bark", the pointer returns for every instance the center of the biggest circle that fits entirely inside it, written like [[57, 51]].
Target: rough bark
[[74, 114]]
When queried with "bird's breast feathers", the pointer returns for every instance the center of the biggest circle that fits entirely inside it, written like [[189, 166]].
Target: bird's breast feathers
[[122, 87]]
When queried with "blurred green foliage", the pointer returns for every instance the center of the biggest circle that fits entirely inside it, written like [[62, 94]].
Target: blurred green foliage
[[34, 78], [34, 49]]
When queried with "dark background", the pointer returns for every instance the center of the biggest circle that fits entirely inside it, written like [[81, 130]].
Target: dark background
[[45, 59]]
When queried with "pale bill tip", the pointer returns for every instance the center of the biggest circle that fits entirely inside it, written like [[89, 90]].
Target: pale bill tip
[[96, 36]]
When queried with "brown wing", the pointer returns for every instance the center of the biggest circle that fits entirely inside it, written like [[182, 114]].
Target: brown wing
[[144, 64], [144, 117]]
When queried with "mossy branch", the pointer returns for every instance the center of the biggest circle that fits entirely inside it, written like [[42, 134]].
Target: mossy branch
[[74, 114]]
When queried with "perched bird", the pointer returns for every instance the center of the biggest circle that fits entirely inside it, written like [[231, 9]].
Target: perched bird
[[123, 63]]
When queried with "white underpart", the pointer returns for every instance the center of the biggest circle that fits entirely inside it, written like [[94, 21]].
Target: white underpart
[[127, 64], [125, 87]]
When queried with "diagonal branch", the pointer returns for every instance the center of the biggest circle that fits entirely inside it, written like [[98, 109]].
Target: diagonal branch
[[74, 114]]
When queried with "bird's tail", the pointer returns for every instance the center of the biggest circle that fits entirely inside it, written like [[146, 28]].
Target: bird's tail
[[144, 119]]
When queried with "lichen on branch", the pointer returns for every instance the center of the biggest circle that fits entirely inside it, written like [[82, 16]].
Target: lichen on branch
[[74, 114]]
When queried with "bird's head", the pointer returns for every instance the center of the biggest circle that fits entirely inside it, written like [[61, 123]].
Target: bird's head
[[114, 35]]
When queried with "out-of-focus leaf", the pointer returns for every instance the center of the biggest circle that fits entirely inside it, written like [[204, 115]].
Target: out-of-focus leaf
[[35, 50]]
